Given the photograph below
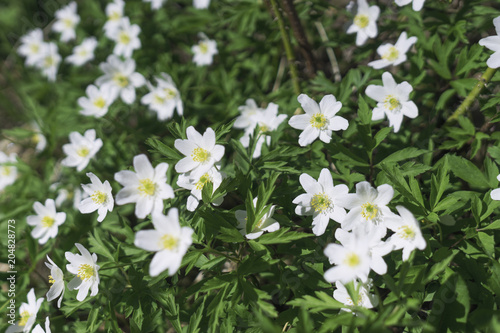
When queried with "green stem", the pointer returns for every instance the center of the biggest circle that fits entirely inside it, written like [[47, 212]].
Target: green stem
[[119, 266], [288, 47], [485, 78]]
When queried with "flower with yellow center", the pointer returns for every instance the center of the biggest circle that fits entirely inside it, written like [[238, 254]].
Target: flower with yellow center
[[56, 279], [97, 101], [352, 260], [126, 38], [196, 183], [407, 234], [393, 54], [81, 149], [50, 60], [100, 198], [46, 222], [84, 52], [365, 22], [364, 299], [27, 312], [164, 98], [85, 269], [204, 51], [66, 21]]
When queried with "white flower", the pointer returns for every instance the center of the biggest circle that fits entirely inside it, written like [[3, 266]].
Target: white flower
[[32, 46], [204, 51], [86, 270], [249, 115], [68, 193], [164, 98], [28, 313], [493, 43], [201, 4], [266, 223], [321, 200], [168, 240], [368, 206], [97, 101], [83, 52], [99, 199], [268, 121], [393, 101], [49, 61], [8, 173], [38, 138], [156, 4], [147, 187], [365, 299], [126, 38], [319, 120], [196, 183], [201, 152], [495, 194], [46, 221], [67, 19], [81, 149], [56, 278], [407, 234], [365, 22], [39, 329], [417, 4], [114, 12], [393, 54], [121, 77], [352, 261]]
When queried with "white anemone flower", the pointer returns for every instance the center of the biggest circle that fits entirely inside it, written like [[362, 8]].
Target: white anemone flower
[[416, 4], [321, 200], [67, 19], [169, 240], [201, 4], [121, 77], [8, 173], [85, 268], [126, 38], [393, 54], [155, 4], [39, 329], [38, 138], [393, 101], [368, 206], [97, 101], [200, 150], [495, 194], [31, 47], [81, 149], [49, 61], [266, 223], [493, 43], [83, 53], [147, 187], [164, 98], [99, 199], [114, 12], [46, 221], [249, 116], [365, 22], [407, 234], [56, 278], [196, 183], [319, 120], [204, 51], [364, 299], [28, 312]]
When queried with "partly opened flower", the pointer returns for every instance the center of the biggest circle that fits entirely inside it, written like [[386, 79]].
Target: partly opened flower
[[266, 223], [393, 101], [365, 22], [204, 51], [196, 185], [83, 52], [200, 150], [46, 221], [164, 98], [56, 278], [364, 299], [85, 268], [493, 43], [67, 19], [8, 173], [81, 149], [407, 234], [393, 54], [147, 186], [28, 313], [417, 4], [321, 200], [99, 199], [39, 329], [169, 240]]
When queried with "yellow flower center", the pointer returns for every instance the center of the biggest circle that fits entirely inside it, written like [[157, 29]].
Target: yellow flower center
[[320, 202], [319, 121], [85, 272], [51, 279], [6, 171], [115, 16], [68, 23], [83, 151], [99, 197], [200, 155], [124, 38], [406, 232], [47, 221], [170, 93], [120, 80], [203, 47], [203, 180], [25, 315], [99, 102], [82, 53], [352, 260], [147, 187], [361, 20], [392, 103], [369, 211], [169, 242], [159, 99], [391, 55], [48, 62], [263, 128], [34, 48]]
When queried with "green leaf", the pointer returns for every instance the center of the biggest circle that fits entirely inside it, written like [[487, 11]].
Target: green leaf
[[487, 242], [467, 171], [403, 154], [321, 302], [495, 225], [282, 236], [364, 112]]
